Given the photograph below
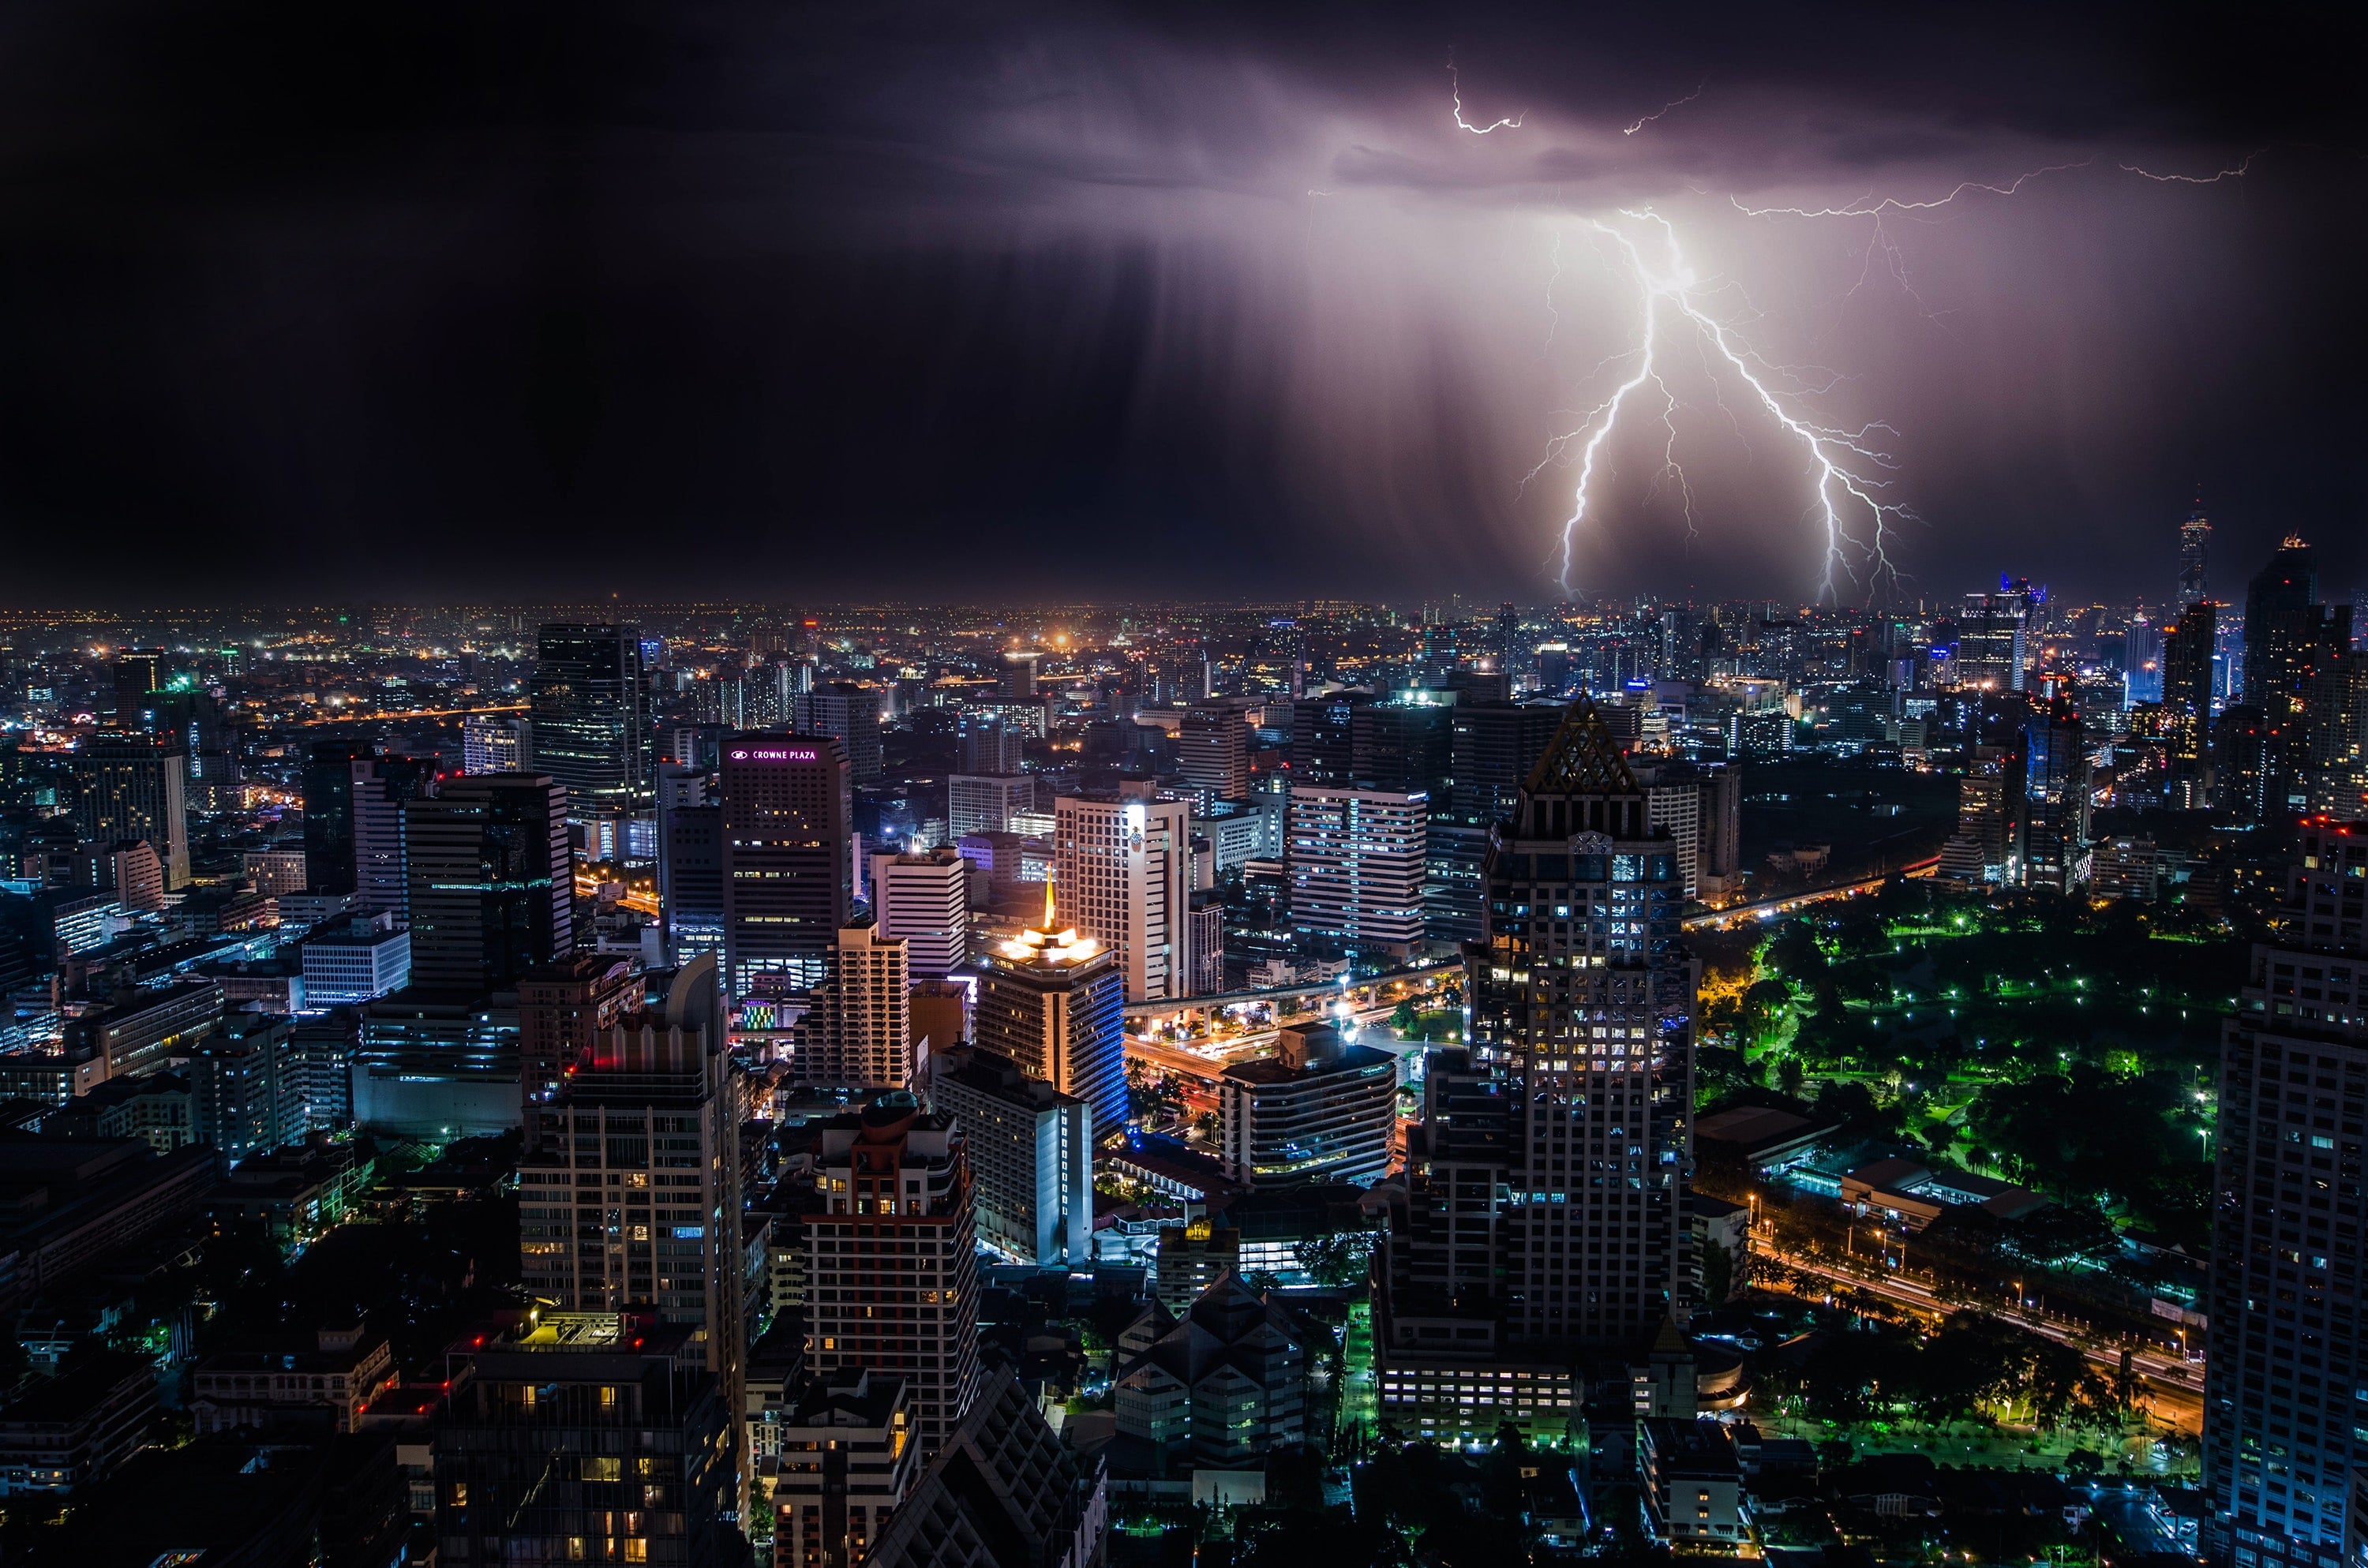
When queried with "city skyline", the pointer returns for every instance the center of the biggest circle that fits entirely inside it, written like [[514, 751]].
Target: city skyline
[[721, 301]]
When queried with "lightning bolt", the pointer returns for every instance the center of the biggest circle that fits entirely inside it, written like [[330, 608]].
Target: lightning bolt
[[1678, 103], [1844, 464], [1455, 91], [2235, 171]]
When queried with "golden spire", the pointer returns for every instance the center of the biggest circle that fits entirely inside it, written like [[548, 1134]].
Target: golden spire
[[1048, 905]]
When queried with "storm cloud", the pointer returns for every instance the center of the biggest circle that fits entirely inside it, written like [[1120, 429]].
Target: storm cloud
[[912, 301]]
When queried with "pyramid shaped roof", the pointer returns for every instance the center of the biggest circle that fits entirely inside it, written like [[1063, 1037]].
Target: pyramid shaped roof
[[1583, 758]]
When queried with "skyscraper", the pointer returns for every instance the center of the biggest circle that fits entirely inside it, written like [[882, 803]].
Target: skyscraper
[[1122, 869], [491, 743], [690, 862], [986, 743], [1545, 1223], [858, 1032], [848, 713], [1357, 859], [1322, 737], [591, 721], [2056, 797], [2292, 643], [383, 786], [2282, 1444], [570, 1428], [2142, 661], [1212, 753], [138, 673], [985, 802], [1992, 633], [1491, 748], [131, 787], [628, 1190], [1032, 1156], [788, 865], [2281, 603], [493, 890], [923, 900], [2194, 550], [2187, 703], [328, 784], [1055, 1002], [892, 1257], [564, 1009]]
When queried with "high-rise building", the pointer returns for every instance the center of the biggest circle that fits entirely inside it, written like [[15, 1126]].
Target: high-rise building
[[892, 1258], [2056, 797], [328, 784], [350, 961], [1055, 1002], [1673, 800], [985, 803], [629, 1187], [1322, 737], [590, 1432], [1319, 1109], [939, 1010], [1491, 746], [690, 862], [2336, 774], [1212, 752], [923, 900], [138, 673], [846, 1462], [1992, 636], [848, 713], [1546, 1224], [1003, 1492], [132, 787], [858, 1031], [788, 865], [383, 787], [1208, 918], [491, 742], [1406, 743], [493, 892], [1032, 1156], [985, 744], [590, 727], [1981, 849], [1357, 860], [564, 1009], [1020, 675], [2194, 552], [1719, 832], [1123, 873], [2292, 643], [2282, 1451], [2289, 634], [248, 1092], [2141, 662], [2187, 702]]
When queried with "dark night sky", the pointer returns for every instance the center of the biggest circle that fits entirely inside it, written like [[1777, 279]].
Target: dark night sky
[[865, 302]]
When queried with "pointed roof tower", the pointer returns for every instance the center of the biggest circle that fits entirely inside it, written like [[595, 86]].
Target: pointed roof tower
[[1583, 758]]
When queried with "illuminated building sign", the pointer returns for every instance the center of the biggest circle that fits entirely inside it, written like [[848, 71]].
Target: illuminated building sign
[[776, 754]]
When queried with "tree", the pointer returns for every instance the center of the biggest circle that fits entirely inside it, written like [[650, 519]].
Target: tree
[[1718, 1273], [1341, 1258], [1402, 1019]]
